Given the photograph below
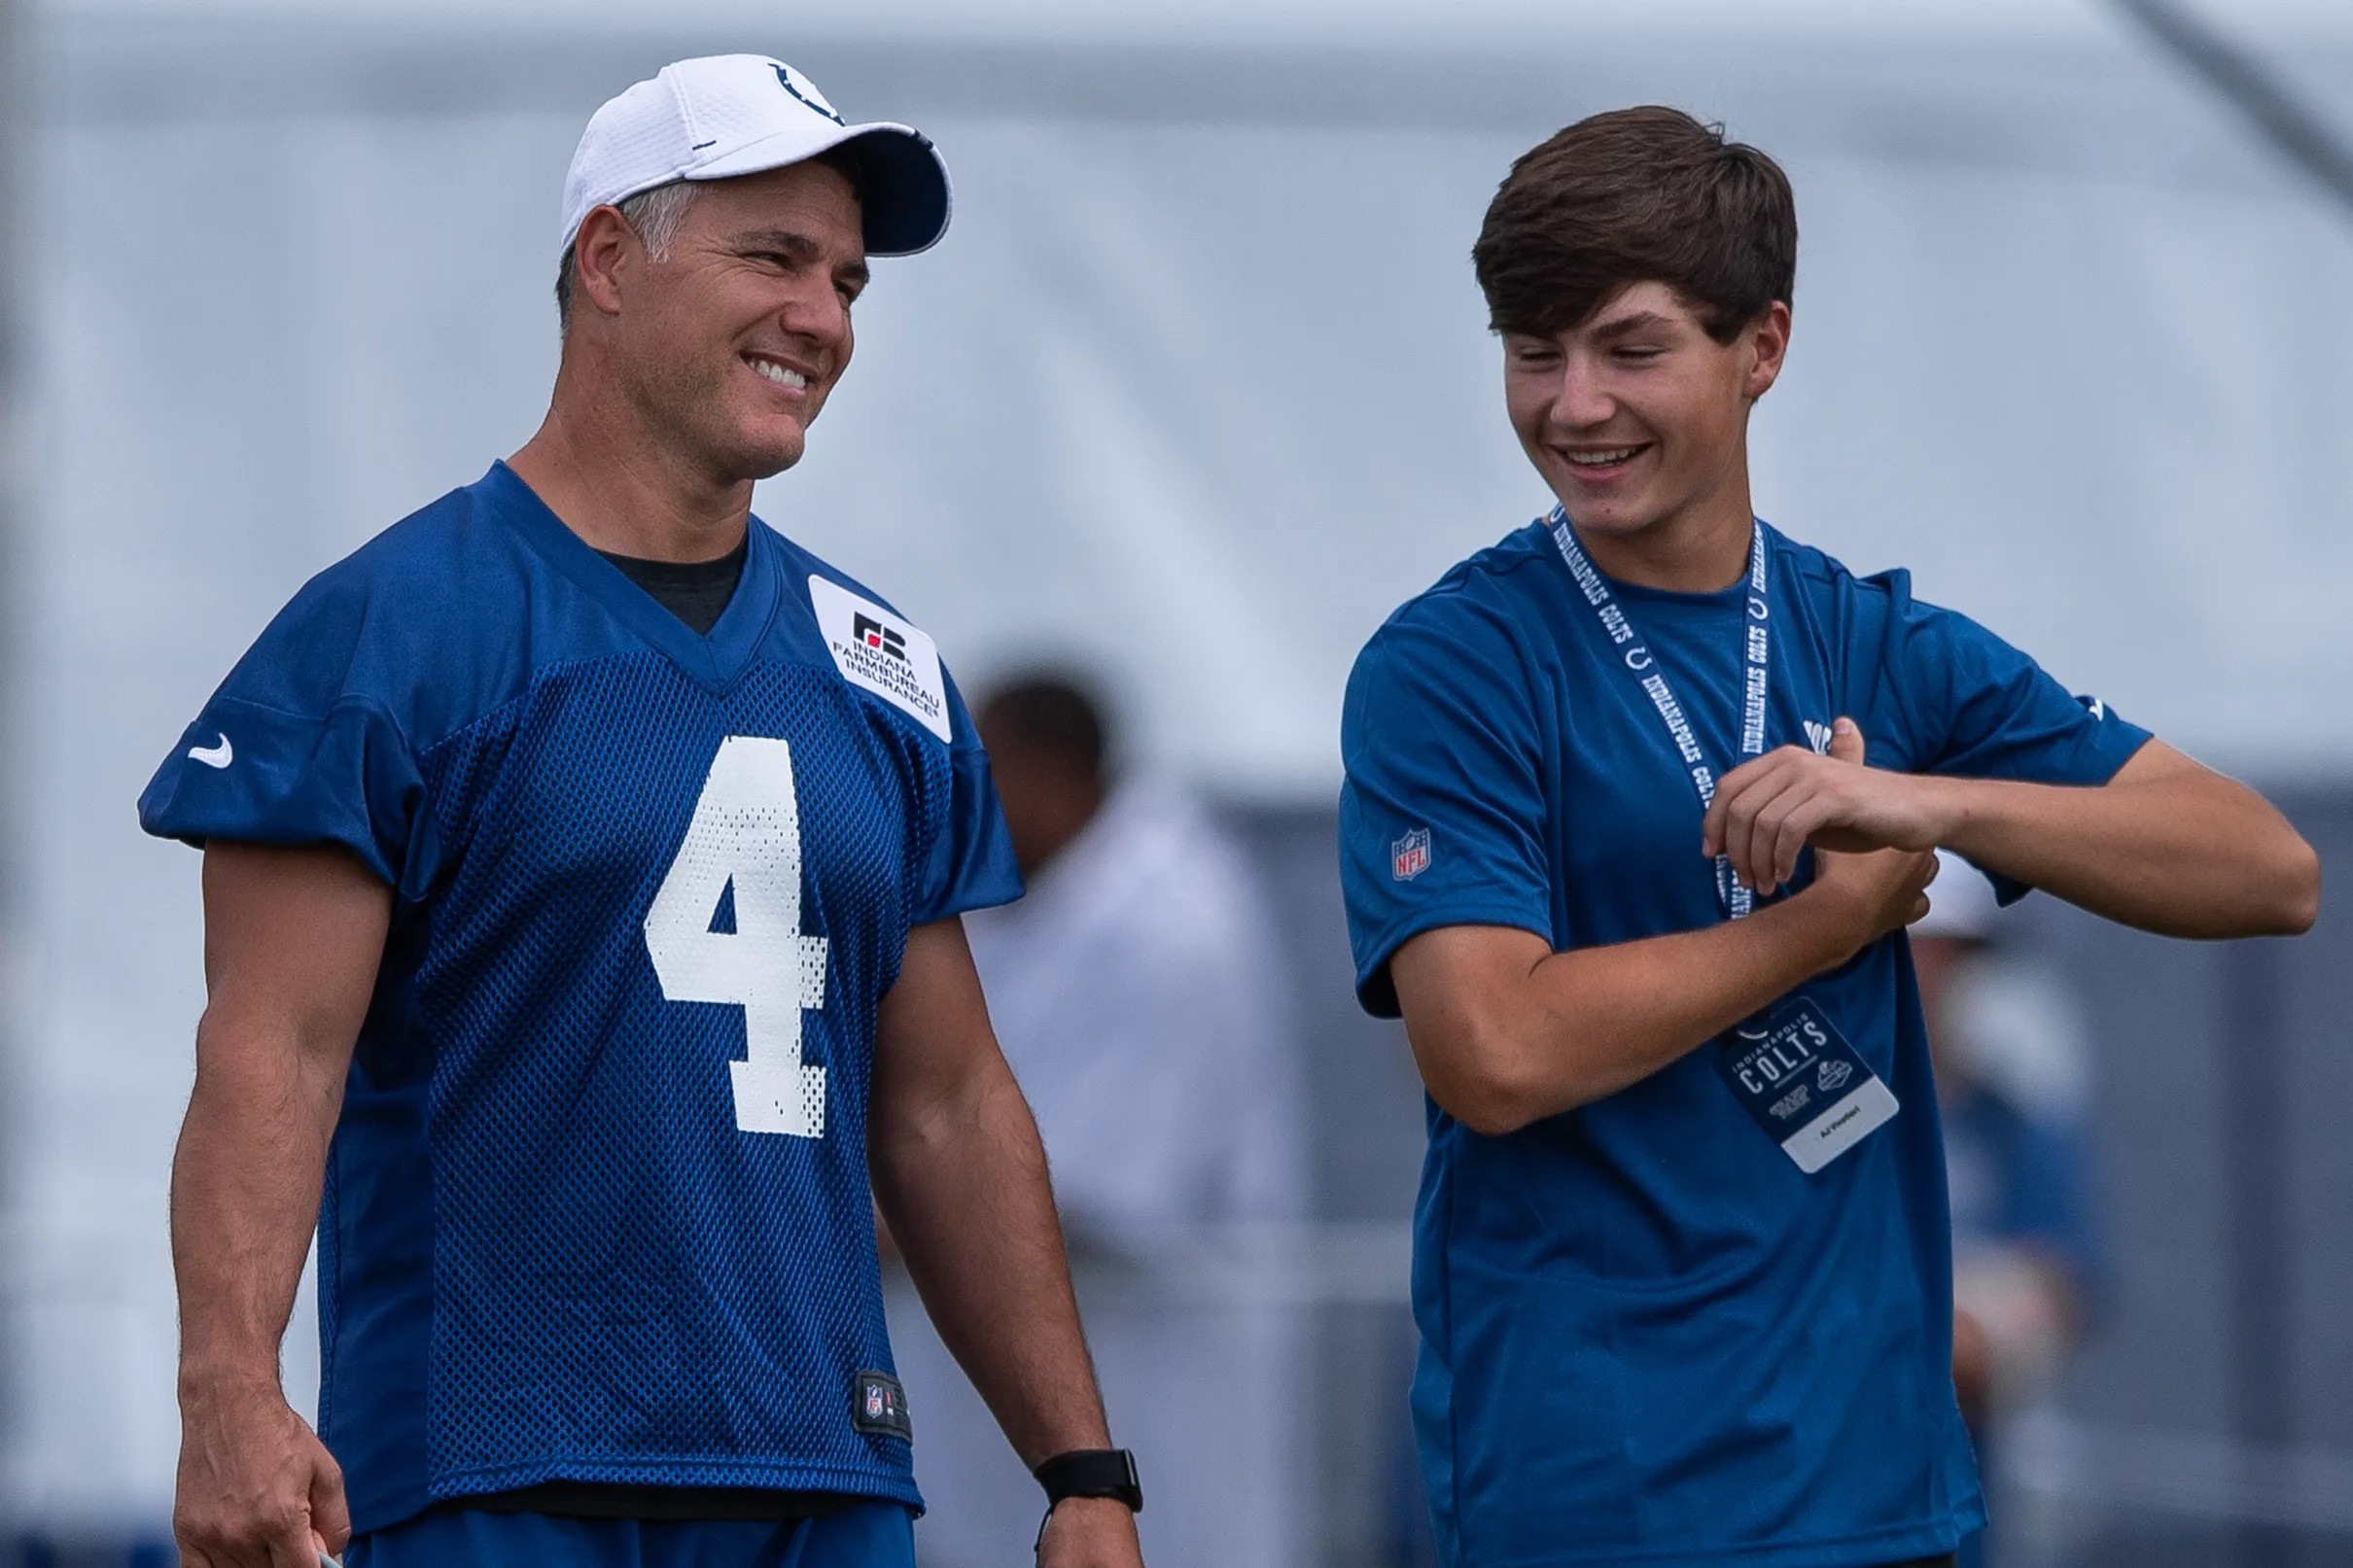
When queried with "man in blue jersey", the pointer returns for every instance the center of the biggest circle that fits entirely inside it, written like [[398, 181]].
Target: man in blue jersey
[[582, 865], [1638, 802]]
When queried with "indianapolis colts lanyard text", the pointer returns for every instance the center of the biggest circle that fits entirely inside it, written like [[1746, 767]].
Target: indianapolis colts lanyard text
[[1643, 667]]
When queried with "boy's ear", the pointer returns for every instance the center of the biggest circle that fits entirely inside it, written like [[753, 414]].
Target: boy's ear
[[1767, 342]]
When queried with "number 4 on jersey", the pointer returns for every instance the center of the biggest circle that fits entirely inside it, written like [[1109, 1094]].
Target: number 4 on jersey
[[746, 831]]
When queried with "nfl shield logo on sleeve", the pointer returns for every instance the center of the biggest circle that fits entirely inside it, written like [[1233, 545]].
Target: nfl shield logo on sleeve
[[1408, 857], [880, 1406]]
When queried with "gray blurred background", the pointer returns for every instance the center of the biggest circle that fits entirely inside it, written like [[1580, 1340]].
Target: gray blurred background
[[1195, 391]]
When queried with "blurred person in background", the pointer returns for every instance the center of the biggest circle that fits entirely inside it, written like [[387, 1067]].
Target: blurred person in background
[[2008, 1045], [1136, 994], [582, 865]]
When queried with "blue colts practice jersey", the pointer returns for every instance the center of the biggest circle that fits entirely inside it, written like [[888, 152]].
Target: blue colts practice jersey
[[597, 1207], [1651, 1332]]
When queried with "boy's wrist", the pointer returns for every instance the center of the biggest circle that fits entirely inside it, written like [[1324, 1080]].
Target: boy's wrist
[[1828, 923], [1955, 808]]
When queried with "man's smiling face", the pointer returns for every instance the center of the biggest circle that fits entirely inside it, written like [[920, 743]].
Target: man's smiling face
[[1636, 416], [733, 339]]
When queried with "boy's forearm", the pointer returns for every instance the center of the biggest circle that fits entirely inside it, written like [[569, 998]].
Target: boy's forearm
[[969, 1202], [2176, 850], [1504, 1042], [1625, 1012], [2165, 845]]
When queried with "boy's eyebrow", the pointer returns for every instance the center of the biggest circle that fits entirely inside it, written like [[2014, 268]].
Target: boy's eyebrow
[[1640, 321]]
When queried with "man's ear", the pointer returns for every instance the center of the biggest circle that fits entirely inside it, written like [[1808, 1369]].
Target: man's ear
[[1767, 342], [604, 253]]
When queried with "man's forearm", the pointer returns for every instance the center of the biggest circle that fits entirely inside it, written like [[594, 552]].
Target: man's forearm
[[2172, 849], [965, 1194], [244, 1200]]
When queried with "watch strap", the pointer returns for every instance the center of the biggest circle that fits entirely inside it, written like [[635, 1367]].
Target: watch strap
[[1091, 1472]]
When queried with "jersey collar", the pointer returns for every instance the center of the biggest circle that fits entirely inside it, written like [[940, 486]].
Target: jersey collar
[[714, 661]]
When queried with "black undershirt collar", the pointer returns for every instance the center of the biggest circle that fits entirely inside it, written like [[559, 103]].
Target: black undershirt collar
[[696, 592]]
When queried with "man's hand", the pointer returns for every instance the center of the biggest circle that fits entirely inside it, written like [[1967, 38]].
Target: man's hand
[[257, 1487], [1090, 1532], [1766, 810]]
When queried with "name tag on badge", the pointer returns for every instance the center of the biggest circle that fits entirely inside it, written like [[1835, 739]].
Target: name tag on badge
[[1803, 1084]]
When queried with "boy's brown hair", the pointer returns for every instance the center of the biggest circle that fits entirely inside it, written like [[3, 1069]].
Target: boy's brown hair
[[1630, 197]]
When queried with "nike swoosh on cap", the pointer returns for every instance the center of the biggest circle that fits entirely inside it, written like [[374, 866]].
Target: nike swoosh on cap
[[215, 756]]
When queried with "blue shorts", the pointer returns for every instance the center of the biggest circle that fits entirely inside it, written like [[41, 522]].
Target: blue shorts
[[879, 1535]]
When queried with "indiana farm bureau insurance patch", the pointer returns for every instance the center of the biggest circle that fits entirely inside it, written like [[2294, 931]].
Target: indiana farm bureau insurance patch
[[876, 649]]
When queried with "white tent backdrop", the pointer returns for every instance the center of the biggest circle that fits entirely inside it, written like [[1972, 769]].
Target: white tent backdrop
[[1195, 391]]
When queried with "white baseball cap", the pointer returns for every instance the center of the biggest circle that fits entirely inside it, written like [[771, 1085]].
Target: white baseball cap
[[726, 114]]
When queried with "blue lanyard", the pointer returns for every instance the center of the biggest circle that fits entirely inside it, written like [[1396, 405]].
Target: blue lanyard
[[1643, 667]]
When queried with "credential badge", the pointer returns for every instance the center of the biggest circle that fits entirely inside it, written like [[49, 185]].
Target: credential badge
[[1408, 857]]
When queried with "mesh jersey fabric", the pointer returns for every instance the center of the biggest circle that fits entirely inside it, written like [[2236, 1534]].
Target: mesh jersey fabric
[[1647, 1335], [589, 1215]]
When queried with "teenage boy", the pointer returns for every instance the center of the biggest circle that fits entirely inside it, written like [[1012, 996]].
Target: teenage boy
[[1613, 849]]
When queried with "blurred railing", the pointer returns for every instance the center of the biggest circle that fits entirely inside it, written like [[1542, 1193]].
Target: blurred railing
[[2188, 1475]]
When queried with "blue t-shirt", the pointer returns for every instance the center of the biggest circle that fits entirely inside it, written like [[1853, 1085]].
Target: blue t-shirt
[[1647, 1335], [597, 1207]]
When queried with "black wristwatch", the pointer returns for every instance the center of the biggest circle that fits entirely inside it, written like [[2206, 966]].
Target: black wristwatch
[[1089, 1473]]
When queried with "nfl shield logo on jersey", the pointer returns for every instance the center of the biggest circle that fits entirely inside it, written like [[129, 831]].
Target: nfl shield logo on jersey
[[1408, 857], [881, 1407]]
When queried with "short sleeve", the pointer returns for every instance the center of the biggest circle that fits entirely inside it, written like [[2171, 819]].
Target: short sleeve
[[1979, 709], [1975, 707], [1442, 809], [971, 864], [293, 750]]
